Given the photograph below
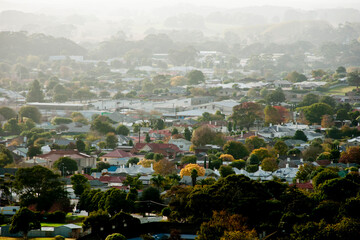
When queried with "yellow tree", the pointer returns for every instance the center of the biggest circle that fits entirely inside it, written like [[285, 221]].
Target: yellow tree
[[146, 163], [164, 167], [186, 171], [227, 158]]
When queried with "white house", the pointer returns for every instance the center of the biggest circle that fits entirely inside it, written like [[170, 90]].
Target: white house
[[182, 144]]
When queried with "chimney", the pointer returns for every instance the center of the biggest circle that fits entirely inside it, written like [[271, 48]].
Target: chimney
[[242, 134], [288, 159], [301, 160], [256, 133], [270, 125], [297, 180], [260, 168], [129, 165], [151, 166], [277, 128], [287, 165]]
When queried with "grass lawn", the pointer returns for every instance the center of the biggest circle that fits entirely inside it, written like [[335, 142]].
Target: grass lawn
[[340, 90], [52, 224]]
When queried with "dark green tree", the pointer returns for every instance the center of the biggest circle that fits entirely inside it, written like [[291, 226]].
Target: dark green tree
[[24, 221], [226, 171], [5, 156], [236, 149], [300, 135], [30, 112], [79, 184], [7, 113], [195, 77], [276, 97], [66, 165], [122, 130], [39, 185], [111, 140], [354, 79], [187, 134], [80, 145], [35, 94]]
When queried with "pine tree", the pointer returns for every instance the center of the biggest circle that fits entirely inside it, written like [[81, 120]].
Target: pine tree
[[35, 94]]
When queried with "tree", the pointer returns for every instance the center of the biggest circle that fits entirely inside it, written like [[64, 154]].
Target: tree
[[98, 221], [295, 77], [186, 171], [111, 140], [309, 99], [322, 176], [66, 165], [300, 135], [342, 115], [60, 98], [269, 164], [261, 153], [80, 145], [24, 221], [60, 120], [7, 113], [327, 121], [205, 135], [39, 185], [102, 124], [224, 226], [226, 171], [272, 115], [351, 155], [281, 147], [122, 130], [5, 156], [187, 134], [283, 113], [354, 79], [157, 180], [12, 126], [33, 151], [195, 77], [193, 175], [132, 161], [174, 131], [35, 94], [30, 112], [79, 184], [160, 124], [275, 97], [239, 164], [246, 113], [147, 138], [314, 112], [236, 149], [254, 142], [188, 159], [115, 236], [101, 166], [328, 100], [164, 167]]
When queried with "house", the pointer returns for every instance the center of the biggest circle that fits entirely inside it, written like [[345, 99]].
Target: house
[[83, 160], [168, 150], [159, 134], [116, 157], [182, 144], [123, 140], [68, 230]]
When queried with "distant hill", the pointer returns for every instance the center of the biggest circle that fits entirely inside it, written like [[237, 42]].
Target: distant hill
[[18, 44]]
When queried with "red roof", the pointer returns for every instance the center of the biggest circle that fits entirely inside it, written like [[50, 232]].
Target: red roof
[[117, 153], [56, 154], [162, 132], [162, 148], [111, 179], [307, 185]]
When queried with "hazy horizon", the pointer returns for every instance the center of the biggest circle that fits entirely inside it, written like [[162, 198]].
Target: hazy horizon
[[110, 7]]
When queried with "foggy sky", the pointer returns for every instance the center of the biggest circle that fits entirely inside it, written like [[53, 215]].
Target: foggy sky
[[109, 7]]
